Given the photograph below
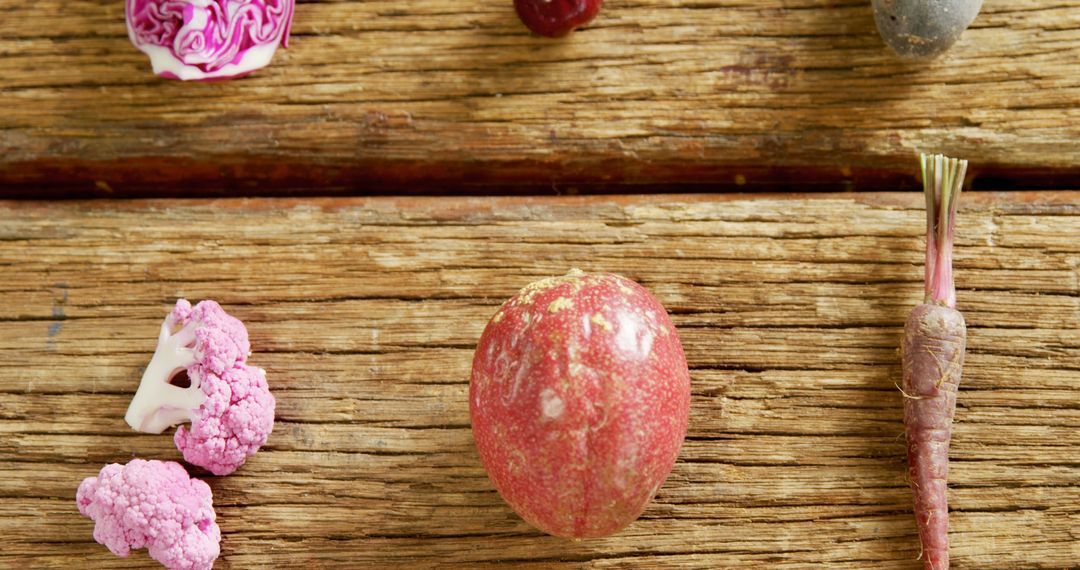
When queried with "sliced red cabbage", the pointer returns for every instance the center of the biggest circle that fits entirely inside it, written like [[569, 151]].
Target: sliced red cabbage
[[208, 39]]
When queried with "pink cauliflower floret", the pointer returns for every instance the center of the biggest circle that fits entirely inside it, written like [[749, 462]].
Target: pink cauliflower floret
[[221, 340], [153, 505], [232, 424], [199, 375]]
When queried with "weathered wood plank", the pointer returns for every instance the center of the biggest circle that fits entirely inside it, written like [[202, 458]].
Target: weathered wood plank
[[365, 311], [381, 96]]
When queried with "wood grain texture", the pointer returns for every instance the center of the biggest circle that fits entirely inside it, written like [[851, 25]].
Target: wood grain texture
[[365, 313], [391, 96]]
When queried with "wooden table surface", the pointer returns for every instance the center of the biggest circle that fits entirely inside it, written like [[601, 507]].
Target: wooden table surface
[[411, 95], [365, 312]]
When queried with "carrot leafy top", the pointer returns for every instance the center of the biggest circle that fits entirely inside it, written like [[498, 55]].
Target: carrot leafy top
[[942, 180]]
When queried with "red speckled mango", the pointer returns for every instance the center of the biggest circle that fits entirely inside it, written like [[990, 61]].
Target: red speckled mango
[[579, 399]]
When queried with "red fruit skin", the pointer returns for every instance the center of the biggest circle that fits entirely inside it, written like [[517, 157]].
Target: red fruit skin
[[556, 18], [579, 400]]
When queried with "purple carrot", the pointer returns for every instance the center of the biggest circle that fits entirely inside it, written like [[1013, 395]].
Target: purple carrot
[[933, 355]]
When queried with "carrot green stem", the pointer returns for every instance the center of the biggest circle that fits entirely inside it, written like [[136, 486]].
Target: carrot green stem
[[943, 178]]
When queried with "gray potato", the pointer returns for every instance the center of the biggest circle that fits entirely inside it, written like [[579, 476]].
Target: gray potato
[[923, 28]]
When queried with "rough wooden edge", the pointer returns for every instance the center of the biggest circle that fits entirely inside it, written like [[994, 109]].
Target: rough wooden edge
[[450, 207]]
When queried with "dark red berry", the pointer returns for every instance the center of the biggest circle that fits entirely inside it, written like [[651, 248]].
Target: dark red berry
[[556, 18]]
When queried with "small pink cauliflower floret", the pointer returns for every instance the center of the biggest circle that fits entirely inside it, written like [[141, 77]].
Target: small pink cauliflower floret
[[232, 424], [153, 505], [199, 375], [221, 340]]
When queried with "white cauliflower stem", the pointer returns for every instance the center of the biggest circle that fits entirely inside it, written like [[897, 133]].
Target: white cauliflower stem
[[158, 404]]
